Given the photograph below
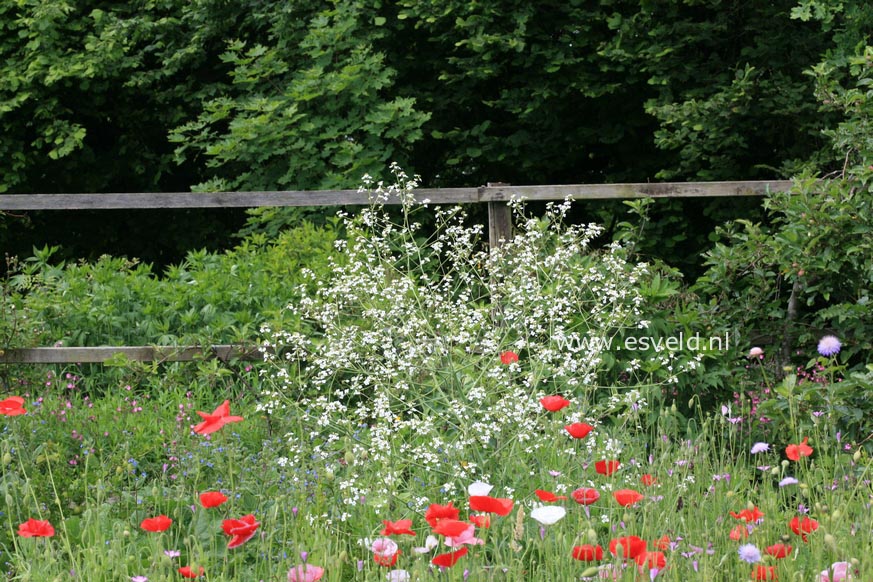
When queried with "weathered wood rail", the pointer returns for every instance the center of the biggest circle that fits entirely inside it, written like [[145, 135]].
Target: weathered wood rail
[[494, 194]]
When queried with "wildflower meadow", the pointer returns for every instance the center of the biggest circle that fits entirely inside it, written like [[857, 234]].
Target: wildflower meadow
[[428, 408]]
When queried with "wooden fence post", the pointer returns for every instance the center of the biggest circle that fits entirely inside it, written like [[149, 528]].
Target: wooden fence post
[[499, 219]]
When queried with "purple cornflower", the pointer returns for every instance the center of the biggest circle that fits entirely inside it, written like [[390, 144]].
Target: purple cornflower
[[749, 553], [760, 448], [829, 346]]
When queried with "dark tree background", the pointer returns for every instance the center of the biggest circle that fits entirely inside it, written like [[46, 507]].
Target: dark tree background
[[173, 95]]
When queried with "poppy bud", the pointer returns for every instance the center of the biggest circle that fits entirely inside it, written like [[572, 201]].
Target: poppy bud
[[592, 536], [9, 501], [829, 540], [750, 506], [856, 457], [590, 572], [343, 557], [7, 458], [729, 494], [824, 508], [673, 408], [784, 463], [855, 562], [785, 538], [774, 471], [126, 533], [328, 475], [349, 457], [364, 454]]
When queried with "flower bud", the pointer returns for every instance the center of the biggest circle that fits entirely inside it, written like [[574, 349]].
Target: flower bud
[[856, 457], [590, 572], [592, 536], [7, 458], [349, 457]]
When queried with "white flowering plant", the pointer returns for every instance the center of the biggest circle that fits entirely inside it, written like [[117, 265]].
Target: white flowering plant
[[432, 351]]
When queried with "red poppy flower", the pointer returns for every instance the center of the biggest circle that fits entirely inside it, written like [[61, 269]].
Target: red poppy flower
[[508, 358], [397, 528], [585, 496], [662, 543], [651, 560], [189, 572], [648, 480], [450, 527], [12, 406], [749, 515], [778, 551], [35, 528], [241, 530], [482, 521], [212, 499], [764, 573], [803, 526], [448, 560], [631, 547], [578, 430], [627, 497], [156, 524], [606, 467], [554, 403], [739, 532], [489, 504], [548, 496], [794, 452], [387, 561], [216, 420], [588, 553], [436, 512]]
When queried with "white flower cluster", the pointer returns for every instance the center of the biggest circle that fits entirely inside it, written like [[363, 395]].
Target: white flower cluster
[[403, 373]]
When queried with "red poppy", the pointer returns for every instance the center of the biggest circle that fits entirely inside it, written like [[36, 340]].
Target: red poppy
[[189, 572], [794, 452], [778, 551], [241, 530], [648, 480], [448, 560], [627, 497], [397, 528], [450, 527], [554, 403], [156, 524], [803, 526], [739, 532], [508, 358], [606, 467], [631, 547], [764, 573], [662, 543], [578, 430], [651, 560], [34, 528], [12, 406], [387, 561], [436, 512], [585, 496], [212, 499], [489, 504], [749, 515], [482, 521], [548, 496], [588, 553], [216, 420]]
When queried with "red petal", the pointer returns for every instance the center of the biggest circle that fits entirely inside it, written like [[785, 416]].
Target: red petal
[[548, 496], [585, 496], [451, 527], [578, 430], [399, 527], [606, 467], [448, 560], [631, 547], [500, 506], [626, 497], [554, 403], [588, 553]]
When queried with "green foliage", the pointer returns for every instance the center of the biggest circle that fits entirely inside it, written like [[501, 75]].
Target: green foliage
[[209, 298]]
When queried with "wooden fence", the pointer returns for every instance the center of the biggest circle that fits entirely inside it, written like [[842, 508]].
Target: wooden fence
[[494, 194]]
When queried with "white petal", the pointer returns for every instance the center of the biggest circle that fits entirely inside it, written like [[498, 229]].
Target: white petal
[[548, 514], [479, 488]]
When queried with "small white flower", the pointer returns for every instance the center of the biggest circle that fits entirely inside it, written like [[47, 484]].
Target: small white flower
[[398, 576]]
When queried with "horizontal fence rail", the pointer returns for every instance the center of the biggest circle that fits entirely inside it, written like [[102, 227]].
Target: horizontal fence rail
[[102, 354], [494, 194]]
